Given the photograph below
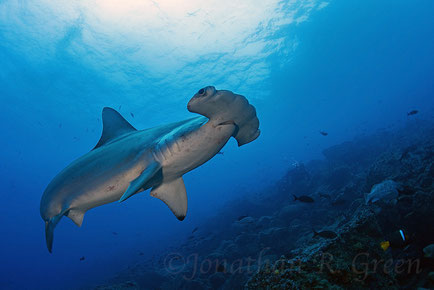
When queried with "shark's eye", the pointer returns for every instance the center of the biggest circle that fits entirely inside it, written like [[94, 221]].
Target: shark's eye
[[201, 91]]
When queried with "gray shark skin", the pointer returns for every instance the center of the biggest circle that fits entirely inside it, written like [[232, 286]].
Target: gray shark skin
[[127, 161]]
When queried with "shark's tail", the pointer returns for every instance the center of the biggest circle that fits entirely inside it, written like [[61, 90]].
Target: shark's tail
[[49, 230]]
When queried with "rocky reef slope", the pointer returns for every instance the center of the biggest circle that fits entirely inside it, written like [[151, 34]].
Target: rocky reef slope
[[273, 246]]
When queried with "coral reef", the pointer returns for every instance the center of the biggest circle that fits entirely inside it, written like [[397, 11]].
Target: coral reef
[[274, 247]]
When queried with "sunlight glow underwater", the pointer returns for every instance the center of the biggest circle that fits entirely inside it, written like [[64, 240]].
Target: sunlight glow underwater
[[165, 41]]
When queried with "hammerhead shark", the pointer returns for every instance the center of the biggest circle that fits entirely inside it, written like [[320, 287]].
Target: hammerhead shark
[[127, 161]]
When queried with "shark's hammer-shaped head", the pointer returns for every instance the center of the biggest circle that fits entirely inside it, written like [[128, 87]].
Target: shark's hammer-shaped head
[[224, 106]]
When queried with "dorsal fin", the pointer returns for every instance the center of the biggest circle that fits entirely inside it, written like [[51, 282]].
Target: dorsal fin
[[113, 126]]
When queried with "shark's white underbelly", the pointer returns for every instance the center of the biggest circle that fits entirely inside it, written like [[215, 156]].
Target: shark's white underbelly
[[188, 152], [108, 177], [85, 185], [108, 190]]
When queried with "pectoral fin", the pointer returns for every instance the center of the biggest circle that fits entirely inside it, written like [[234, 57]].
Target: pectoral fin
[[137, 184], [174, 195]]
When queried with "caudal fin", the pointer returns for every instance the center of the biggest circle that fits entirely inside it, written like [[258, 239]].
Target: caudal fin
[[49, 230], [295, 197]]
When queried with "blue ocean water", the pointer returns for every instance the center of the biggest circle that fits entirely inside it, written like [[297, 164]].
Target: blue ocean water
[[348, 68]]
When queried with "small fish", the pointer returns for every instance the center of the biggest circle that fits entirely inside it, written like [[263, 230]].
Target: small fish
[[115, 233], [323, 133], [325, 195], [345, 217], [82, 258], [339, 201], [303, 198], [428, 251], [386, 190], [325, 234], [194, 230], [242, 217], [410, 214], [414, 112], [398, 239], [132, 115], [120, 107], [221, 268], [221, 153], [60, 125]]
